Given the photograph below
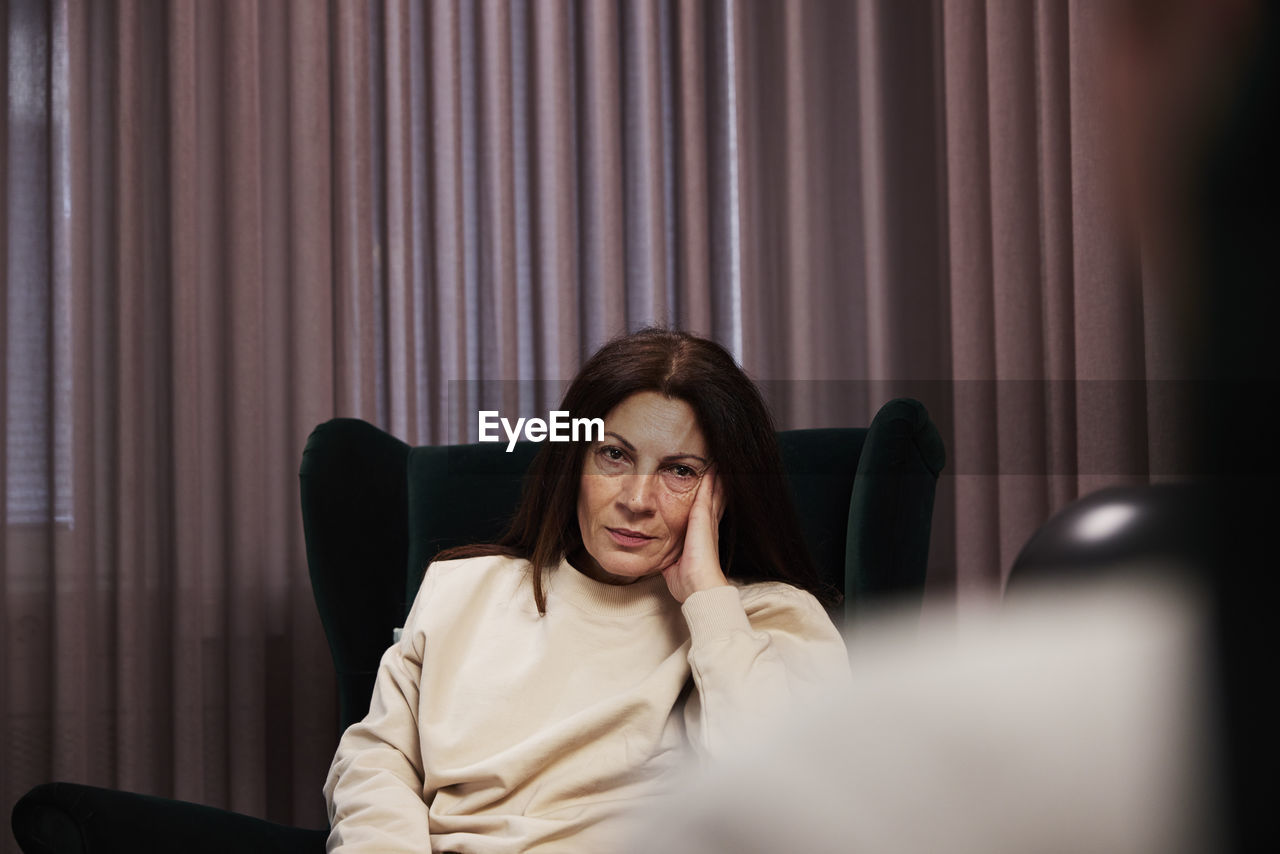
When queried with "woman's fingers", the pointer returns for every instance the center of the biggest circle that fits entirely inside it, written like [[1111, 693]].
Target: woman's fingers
[[717, 498], [706, 502], [712, 508], [710, 498]]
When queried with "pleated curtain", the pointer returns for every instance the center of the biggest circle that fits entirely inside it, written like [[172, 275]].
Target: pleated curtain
[[228, 221]]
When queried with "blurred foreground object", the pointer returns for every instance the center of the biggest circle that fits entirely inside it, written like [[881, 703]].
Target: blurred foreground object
[[1075, 719]]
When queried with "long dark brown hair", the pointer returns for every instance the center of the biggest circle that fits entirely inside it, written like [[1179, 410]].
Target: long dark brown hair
[[760, 538]]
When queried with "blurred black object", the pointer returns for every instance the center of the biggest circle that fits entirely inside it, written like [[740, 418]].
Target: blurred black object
[[1133, 529], [1237, 211]]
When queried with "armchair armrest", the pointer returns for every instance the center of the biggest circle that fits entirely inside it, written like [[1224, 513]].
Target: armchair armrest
[[70, 817]]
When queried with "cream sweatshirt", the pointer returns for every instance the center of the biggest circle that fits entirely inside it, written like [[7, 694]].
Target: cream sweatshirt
[[494, 729]]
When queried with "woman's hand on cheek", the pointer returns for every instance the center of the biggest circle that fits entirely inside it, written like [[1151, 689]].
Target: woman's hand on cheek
[[698, 566]]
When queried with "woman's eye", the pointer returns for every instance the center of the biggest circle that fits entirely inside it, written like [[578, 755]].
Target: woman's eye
[[611, 458], [680, 478]]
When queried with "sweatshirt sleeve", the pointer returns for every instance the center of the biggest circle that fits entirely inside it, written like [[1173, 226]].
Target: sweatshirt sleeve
[[758, 654], [374, 789]]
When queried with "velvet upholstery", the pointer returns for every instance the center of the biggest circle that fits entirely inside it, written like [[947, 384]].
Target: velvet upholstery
[[376, 511], [357, 533], [69, 818]]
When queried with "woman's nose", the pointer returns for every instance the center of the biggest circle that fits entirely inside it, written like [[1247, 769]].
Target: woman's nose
[[638, 493]]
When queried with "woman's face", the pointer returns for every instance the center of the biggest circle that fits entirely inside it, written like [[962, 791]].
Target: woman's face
[[637, 487]]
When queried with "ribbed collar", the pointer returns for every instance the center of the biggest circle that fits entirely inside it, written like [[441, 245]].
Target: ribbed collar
[[640, 597]]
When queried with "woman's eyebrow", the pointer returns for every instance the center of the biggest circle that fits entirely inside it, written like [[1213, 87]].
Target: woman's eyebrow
[[683, 456], [632, 448]]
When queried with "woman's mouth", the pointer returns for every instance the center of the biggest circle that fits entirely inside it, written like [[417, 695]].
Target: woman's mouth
[[628, 538]]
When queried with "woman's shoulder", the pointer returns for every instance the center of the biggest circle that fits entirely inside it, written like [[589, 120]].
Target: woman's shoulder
[[794, 615], [778, 600], [470, 571], [764, 591], [458, 586]]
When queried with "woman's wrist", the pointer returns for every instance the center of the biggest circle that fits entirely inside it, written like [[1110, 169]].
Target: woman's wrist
[[714, 613], [682, 586]]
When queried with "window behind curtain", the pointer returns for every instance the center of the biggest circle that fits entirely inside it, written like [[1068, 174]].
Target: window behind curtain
[[38, 386]]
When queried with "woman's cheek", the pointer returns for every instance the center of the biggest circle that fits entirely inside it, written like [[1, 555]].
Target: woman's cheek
[[676, 513]]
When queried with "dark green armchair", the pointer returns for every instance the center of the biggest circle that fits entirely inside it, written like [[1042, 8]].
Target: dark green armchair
[[376, 511]]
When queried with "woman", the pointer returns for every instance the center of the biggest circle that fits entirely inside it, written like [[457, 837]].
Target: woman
[[652, 597]]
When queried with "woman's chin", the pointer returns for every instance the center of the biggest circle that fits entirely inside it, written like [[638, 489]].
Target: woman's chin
[[626, 572], [618, 566], [626, 568]]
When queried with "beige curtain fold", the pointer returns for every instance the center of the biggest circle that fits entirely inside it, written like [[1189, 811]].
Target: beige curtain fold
[[226, 222]]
